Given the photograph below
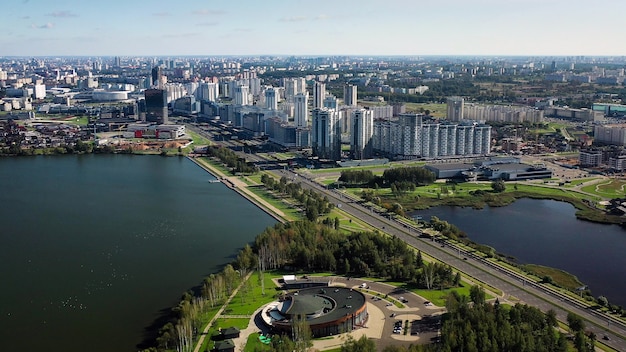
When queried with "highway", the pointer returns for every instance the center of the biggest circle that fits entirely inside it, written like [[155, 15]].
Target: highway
[[481, 270], [510, 282]]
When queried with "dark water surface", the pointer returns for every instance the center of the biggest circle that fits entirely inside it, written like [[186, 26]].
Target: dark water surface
[[92, 247], [547, 232]]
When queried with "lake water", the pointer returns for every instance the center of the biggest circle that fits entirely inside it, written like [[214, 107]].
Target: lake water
[[92, 247], [547, 232]]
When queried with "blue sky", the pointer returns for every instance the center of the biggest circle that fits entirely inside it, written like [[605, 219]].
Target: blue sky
[[320, 27]]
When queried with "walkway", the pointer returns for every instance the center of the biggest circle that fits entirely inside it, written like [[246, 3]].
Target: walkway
[[218, 315]]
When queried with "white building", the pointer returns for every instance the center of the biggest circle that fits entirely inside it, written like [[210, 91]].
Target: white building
[[350, 95], [361, 134], [208, 91], [271, 99], [408, 137], [331, 102], [319, 93], [39, 91], [301, 113], [614, 134], [241, 95], [326, 134], [455, 109]]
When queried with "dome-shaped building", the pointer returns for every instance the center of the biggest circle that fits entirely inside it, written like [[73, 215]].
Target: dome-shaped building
[[328, 310]]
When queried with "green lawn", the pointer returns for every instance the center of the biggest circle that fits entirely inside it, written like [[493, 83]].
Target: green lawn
[[291, 213], [581, 181], [197, 140], [250, 297], [560, 277], [436, 110], [438, 297], [611, 188]]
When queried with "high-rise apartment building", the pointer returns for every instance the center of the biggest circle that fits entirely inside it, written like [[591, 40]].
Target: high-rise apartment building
[[326, 134], [319, 93], [455, 109], [301, 112], [361, 134], [241, 95], [208, 91], [409, 137], [271, 98], [331, 102], [349, 95], [293, 86]]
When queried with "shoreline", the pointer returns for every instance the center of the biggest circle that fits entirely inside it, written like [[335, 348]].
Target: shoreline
[[239, 187]]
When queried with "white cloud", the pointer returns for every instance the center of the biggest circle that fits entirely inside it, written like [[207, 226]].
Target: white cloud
[[205, 12], [293, 19], [62, 14], [42, 26]]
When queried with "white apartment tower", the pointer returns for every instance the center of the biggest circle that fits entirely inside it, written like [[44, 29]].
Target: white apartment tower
[[208, 91], [241, 95], [331, 102], [319, 93], [455, 109], [349, 95], [361, 134], [294, 86], [271, 99], [301, 112], [326, 134]]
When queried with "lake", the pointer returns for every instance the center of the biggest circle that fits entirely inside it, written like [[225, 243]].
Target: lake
[[547, 232], [93, 247]]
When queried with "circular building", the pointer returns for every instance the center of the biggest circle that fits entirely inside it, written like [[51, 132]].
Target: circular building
[[327, 310]]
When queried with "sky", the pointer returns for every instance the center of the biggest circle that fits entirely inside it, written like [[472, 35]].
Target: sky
[[320, 27]]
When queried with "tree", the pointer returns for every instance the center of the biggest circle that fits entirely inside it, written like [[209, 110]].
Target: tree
[[575, 322], [301, 333], [498, 186], [363, 344], [477, 295], [551, 318]]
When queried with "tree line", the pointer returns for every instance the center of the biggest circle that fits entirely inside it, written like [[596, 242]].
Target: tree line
[[314, 203], [400, 177], [311, 246], [231, 159]]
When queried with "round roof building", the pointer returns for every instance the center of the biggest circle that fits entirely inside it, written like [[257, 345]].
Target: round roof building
[[328, 310]]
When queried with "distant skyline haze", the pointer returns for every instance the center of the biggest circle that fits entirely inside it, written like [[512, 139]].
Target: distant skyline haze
[[323, 27]]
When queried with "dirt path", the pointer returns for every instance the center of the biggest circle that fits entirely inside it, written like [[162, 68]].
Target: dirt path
[[204, 333]]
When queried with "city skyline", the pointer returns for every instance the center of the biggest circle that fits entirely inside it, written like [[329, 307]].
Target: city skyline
[[274, 27]]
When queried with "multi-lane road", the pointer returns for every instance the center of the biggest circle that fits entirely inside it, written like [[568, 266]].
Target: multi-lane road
[[481, 270], [510, 282]]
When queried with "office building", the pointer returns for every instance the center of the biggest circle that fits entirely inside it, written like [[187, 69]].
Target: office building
[[156, 105], [326, 134], [156, 74], [361, 134]]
